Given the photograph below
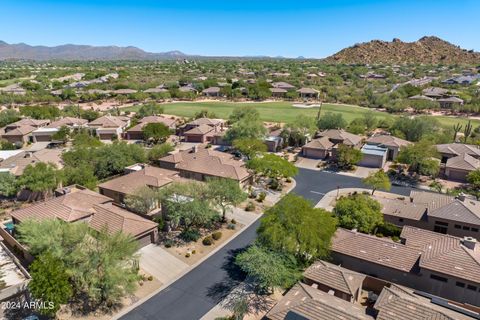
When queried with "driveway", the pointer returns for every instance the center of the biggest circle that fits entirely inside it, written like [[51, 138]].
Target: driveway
[[160, 264]]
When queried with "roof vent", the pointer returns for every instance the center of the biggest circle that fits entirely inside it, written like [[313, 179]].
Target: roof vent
[[461, 197], [470, 243]]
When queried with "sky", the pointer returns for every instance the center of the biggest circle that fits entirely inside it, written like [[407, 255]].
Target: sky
[[315, 28]]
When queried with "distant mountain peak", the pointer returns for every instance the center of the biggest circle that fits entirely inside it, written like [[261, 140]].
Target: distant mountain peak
[[22, 51], [427, 50]]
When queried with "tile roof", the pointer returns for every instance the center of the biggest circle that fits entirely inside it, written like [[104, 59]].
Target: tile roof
[[307, 91], [467, 211], [109, 121], [443, 253], [68, 121], [211, 90], [347, 138], [209, 162], [322, 143], [149, 176], [458, 149], [28, 122], [19, 131], [334, 277], [152, 119], [388, 141], [463, 162], [207, 121], [277, 90], [313, 304], [433, 200], [401, 208], [201, 129], [17, 163], [380, 251]]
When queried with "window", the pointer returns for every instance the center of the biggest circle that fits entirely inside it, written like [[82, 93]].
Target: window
[[440, 223], [460, 284], [470, 287], [438, 278], [457, 226], [474, 229], [466, 228]]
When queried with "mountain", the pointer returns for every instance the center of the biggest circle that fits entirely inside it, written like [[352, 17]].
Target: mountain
[[22, 51], [427, 50]]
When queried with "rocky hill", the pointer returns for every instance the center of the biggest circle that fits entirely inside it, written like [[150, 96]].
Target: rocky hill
[[22, 51], [427, 50]]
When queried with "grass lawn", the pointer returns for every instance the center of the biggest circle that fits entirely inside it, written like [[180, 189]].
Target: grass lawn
[[283, 111]]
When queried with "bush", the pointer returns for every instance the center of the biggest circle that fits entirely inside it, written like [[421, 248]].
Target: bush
[[150, 278], [274, 185], [389, 230], [250, 207], [207, 241], [217, 235], [194, 251], [231, 226], [190, 235], [169, 243], [161, 223], [187, 255], [261, 197], [233, 221]]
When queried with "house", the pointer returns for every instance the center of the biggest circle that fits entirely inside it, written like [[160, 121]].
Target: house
[[187, 88], [201, 134], [19, 135], [278, 92], [214, 123], [14, 276], [147, 176], [200, 163], [156, 90], [283, 85], [308, 93], [421, 97], [435, 92], [428, 261], [124, 91], [13, 89], [274, 141], [463, 80], [340, 136], [318, 148], [211, 92], [77, 204], [46, 133], [341, 282], [109, 127], [26, 122], [136, 132], [392, 143], [457, 168], [449, 102], [450, 150], [373, 156], [17, 163]]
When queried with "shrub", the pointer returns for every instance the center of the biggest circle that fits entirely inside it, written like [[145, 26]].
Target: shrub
[[233, 221], [169, 243], [261, 197], [288, 179], [207, 241], [231, 226], [250, 207], [161, 223], [389, 230], [217, 235], [150, 278], [194, 251], [190, 235], [187, 255]]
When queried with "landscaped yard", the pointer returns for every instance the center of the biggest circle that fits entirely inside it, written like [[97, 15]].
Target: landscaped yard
[[283, 111]]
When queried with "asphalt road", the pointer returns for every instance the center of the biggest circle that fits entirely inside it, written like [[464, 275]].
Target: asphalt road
[[193, 295]]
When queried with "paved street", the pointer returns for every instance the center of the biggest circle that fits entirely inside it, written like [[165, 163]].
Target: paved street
[[204, 287]]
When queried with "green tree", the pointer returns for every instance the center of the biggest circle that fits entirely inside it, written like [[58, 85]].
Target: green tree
[[378, 180], [359, 211], [225, 193], [84, 139], [474, 179], [293, 226], [205, 113], [8, 116], [82, 175], [331, 121], [149, 109], [8, 185], [50, 283], [142, 201], [62, 134], [245, 123], [414, 129], [419, 157], [156, 132], [40, 177], [159, 151], [347, 157], [297, 131], [250, 147], [268, 269], [272, 166]]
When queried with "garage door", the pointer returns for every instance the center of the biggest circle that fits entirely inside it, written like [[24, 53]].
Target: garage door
[[145, 240], [457, 175], [105, 136], [313, 153], [43, 138]]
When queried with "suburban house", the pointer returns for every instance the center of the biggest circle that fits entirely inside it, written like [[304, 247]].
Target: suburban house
[[458, 160], [274, 141], [436, 93], [340, 136], [449, 102], [145, 176], [393, 144], [211, 92], [109, 127], [428, 261], [76, 204], [283, 85], [200, 163], [308, 93], [463, 80], [318, 148], [19, 135], [26, 122], [46, 133], [14, 88], [17, 163], [136, 132], [278, 92], [214, 123], [374, 156], [327, 142], [203, 130]]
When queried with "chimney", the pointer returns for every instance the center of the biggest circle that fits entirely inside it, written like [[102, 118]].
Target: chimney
[[470, 243]]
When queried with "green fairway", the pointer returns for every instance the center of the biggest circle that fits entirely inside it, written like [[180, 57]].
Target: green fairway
[[283, 111]]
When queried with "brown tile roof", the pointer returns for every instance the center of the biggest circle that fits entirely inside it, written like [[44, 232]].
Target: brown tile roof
[[458, 149], [277, 90], [68, 121], [28, 122], [19, 131], [466, 211], [380, 251], [443, 253], [109, 121], [322, 143], [307, 91], [94, 208], [19, 162], [313, 304], [211, 90], [334, 277], [283, 85], [433, 200], [463, 162], [149, 176], [347, 138], [207, 121], [400, 303], [152, 119], [208, 162], [201, 129], [401, 208], [388, 141]]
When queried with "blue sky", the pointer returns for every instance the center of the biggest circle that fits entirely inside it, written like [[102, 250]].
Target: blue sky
[[246, 27]]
